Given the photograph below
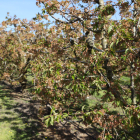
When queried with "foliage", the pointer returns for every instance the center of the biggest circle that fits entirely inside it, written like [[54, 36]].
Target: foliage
[[68, 65]]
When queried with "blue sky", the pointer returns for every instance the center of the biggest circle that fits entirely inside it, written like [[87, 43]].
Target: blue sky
[[21, 8], [25, 9]]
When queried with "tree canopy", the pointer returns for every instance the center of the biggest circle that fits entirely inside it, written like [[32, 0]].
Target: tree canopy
[[85, 54]]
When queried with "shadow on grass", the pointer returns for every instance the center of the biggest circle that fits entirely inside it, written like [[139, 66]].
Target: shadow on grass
[[18, 117], [19, 120], [20, 113]]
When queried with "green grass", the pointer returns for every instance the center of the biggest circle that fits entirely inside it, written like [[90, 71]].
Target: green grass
[[125, 80], [12, 126], [8, 118], [6, 133], [30, 83], [94, 100]]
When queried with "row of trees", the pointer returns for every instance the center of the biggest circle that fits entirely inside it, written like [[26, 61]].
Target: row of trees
[[69, 64]]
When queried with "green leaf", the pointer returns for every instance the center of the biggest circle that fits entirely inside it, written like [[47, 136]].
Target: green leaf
[[73, 77], [111, 44], [131, 120], [100, 113], [47, 122], [110, 28], [65, 115], [102, 25], [117, 41], [52, 121], [57, 72], [75, 88], [110, 35], [126, 51], [87, 114], [113, 23], [138, 115], [58, 118], [117, 103], [83, 108], [43, 11], [46, 5]]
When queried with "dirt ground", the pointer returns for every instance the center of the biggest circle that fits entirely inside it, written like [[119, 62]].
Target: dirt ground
[[28, 109]]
